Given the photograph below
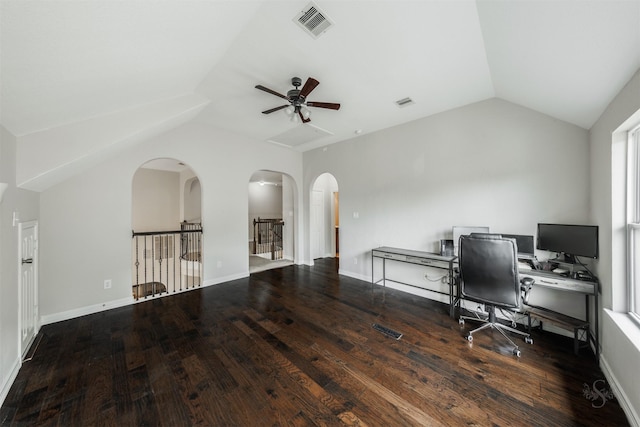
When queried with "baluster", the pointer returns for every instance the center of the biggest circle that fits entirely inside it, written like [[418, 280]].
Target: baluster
[[137, 268], [146, 260], [199, 240]]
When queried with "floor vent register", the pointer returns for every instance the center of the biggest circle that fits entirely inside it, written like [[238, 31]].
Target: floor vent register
[[387, 331]]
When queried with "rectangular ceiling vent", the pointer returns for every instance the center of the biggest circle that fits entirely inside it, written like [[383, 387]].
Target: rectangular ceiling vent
[[404, 102], [313, 20], [299, 135]]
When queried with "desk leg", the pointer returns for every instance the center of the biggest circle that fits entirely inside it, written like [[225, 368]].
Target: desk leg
[[593, 337], [373, 280], [451, 297], [590, 335], [596, 329], [455, 297], [384, 272]]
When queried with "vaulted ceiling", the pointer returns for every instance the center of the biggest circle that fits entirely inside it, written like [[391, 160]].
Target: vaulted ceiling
[[73, 69]]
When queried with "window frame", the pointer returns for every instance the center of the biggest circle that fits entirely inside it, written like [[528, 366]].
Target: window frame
[[633, 222]]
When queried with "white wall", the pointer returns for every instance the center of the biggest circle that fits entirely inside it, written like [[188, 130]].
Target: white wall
[[25, 203], [289, 208], [156, 200], [620, 349], [86, 221], [491, 163], [82, 145]]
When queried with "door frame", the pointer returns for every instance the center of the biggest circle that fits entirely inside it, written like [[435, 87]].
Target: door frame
[[317, 217], [36, 326]]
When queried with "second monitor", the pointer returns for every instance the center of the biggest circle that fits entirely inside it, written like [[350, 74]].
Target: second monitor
[[525, 245]]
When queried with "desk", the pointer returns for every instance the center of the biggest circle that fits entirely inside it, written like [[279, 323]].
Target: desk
[[545, 279], [426, 259]]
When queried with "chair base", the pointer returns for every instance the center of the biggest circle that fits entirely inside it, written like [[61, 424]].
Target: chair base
[[491, 322]]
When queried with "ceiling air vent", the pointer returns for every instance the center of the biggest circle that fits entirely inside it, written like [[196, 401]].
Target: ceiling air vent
[[313, 20], [404, 102]]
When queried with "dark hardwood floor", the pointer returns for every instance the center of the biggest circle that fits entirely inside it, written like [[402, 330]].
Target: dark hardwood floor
[[295, 346]]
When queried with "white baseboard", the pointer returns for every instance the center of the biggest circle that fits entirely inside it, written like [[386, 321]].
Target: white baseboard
[[6, 385], [219, 280], [354, 275], [623, 399], [83, 311], [96, 308], [414, 290]]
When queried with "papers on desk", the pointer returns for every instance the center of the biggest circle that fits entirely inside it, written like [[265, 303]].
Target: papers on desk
[[524, 266]]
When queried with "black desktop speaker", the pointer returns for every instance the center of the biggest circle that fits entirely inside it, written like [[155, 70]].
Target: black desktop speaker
[[446, 247]]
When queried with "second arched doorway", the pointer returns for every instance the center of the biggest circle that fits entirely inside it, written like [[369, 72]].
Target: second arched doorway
[[324, 217], [271, 220]]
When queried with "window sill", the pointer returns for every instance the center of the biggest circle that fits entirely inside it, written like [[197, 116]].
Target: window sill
[[628, 325]]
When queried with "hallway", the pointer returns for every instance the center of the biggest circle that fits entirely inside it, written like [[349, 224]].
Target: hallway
[[258, 263]]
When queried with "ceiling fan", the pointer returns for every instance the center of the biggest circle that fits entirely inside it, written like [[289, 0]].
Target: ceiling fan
[[298, 99]]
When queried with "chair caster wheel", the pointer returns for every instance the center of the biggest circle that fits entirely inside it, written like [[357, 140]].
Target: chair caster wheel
[[528, 340], [516, 352], [470, 338], [514, 324], [461, 321]]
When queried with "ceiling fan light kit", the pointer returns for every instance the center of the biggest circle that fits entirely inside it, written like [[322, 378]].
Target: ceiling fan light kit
[[297, 98]]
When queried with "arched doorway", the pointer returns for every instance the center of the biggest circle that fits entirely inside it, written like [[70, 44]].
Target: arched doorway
[[271, 220], [167, 229], [324, 217]]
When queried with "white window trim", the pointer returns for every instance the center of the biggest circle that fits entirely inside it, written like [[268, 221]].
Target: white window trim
[[633, 219]]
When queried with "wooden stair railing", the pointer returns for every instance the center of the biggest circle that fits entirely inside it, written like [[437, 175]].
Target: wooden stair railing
[[167, 261], [267, 237]]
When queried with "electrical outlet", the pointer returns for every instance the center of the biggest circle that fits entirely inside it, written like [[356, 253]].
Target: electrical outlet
[[355, 260], [107, 284]]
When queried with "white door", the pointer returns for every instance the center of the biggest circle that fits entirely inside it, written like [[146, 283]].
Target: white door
[[28, 282], [317, 224]]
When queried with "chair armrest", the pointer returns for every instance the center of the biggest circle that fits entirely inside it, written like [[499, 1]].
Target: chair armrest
[[526, 284]]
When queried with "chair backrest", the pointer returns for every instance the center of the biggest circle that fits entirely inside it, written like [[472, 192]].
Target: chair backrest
[[489, 269]]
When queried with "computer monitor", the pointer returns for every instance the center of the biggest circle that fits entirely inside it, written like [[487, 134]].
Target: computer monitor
[[525, 245], [569, 240], [465, 231]]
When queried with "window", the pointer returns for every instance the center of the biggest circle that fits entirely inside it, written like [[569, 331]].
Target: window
[[633, 222]]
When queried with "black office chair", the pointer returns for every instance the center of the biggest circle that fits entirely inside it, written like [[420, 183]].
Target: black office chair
[[489, 275]]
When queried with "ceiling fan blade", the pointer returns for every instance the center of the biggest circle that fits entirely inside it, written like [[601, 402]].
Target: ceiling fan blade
[[275, 109], [309, 85], [329, 105], [302, 117], [272, 92]]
